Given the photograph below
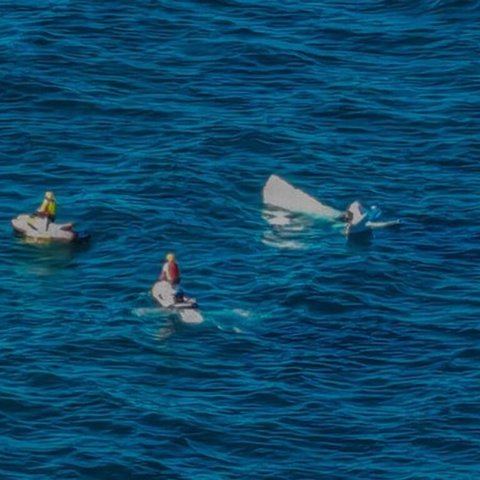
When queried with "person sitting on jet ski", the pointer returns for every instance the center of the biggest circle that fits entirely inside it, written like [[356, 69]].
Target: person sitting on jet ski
[[170, 270], [48, 208], [179, 295], [171, 274]]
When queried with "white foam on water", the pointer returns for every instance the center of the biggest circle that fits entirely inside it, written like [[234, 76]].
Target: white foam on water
[[283, 244], [147, 312]]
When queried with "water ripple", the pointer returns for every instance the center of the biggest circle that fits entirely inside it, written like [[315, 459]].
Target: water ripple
[[157, 125]]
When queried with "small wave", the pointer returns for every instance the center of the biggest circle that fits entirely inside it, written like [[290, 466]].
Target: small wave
[[147, 312], [283, 244]]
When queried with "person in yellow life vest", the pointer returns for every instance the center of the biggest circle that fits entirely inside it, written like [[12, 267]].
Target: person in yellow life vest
[[48, 208]]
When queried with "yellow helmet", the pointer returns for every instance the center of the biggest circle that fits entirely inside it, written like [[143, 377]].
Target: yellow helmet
[[170, 257]]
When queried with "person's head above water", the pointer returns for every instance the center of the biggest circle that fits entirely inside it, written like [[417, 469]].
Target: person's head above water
[[49, 196], [170, 257]]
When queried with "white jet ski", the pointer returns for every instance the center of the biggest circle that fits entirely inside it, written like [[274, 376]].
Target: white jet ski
[[279, 193], [38, 228], [186, 307]]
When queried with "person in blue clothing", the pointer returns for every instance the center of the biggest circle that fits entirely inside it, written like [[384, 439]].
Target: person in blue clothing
[[360, 219]]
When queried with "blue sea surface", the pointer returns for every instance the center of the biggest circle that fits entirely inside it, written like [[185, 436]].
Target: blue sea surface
[[157, 123]]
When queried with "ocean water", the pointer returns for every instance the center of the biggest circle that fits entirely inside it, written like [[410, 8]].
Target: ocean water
[[157, 123]]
